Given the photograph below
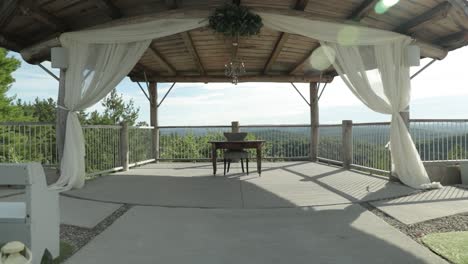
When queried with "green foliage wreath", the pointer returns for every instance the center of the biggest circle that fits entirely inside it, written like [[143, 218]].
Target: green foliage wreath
[[233, 20]]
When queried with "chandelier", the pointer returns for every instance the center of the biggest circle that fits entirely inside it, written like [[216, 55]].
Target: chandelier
[[234, 69]]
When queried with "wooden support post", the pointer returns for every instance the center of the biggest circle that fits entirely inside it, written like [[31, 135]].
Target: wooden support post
[[347, 139], [124, 148], [153, 94], [314, 121], [235, 127], [406, 116], [61, 118]]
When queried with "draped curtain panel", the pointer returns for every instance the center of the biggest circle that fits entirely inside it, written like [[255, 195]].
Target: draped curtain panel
[[98, 61], [100, 58]]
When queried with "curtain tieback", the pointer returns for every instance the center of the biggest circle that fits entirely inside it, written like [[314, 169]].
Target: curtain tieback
[[64, 108]]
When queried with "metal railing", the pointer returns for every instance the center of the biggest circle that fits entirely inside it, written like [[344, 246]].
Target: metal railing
[[140, 145], [436, 140], [369, 146], [330, 143], [181, 143], [283, 142], [27, 141], [102, 148], [440, 139]]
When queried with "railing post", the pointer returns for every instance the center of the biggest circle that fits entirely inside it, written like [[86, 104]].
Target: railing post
[[153, 94], [314, 122], [61, 117], [406, 116], [124, 147], [347, 139]]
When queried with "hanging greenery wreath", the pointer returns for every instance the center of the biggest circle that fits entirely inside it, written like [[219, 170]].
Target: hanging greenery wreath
[[233, 20]]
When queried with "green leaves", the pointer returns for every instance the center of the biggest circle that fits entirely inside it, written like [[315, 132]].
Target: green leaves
[[8, 65], [232, 20]]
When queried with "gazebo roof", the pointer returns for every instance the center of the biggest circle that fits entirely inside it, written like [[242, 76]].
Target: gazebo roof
[[31, 28]]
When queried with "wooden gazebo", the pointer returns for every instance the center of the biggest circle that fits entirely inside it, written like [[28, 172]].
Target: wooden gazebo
[[32, 27]]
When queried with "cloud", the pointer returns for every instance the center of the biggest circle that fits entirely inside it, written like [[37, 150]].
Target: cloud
[[441, 91]]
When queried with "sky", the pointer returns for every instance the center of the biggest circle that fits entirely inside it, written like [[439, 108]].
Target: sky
[[441, 91]]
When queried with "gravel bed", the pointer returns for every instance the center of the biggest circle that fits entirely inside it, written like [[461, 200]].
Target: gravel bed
[[458, 222], [79, 236]]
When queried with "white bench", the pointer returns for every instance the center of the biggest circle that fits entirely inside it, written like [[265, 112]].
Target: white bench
[[34, 221]]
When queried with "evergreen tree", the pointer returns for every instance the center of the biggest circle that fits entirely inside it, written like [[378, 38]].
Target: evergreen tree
[[117, 111], [8, 111]]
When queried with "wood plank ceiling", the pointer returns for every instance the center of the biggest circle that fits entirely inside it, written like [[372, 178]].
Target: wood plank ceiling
[[200, 55]]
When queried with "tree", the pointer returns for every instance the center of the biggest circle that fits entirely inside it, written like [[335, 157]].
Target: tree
[[8, 111], [116, 111], [42, 110]]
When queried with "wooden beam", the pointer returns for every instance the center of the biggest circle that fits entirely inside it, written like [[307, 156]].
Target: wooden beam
[[140, 70], [7, 11], [454, 41], [314, 121], [276, 52], [300, 65], [363, 10], [249, 78], [436, 13], [160, 59], [171, 4], [301, 5], [10, 43], [193, 52], [110, 8], [153, 93], [36, 51], [61, 116], [31, 9]]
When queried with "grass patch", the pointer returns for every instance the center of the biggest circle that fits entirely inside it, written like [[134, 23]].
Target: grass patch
[[66, 251], [452, 245]]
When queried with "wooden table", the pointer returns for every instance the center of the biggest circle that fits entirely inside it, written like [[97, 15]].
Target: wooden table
[[237, 145]]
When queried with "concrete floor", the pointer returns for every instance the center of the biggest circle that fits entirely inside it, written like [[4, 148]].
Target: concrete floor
[[289, 184], [296, 212], [327, 234]]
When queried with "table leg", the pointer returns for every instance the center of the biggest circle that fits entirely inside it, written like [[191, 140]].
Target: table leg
[[259, 160], [214, 158]]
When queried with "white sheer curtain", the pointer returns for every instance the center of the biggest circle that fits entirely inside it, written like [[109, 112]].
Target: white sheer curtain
[[98, 60], [385, 90], [354, 52], [95, 71]]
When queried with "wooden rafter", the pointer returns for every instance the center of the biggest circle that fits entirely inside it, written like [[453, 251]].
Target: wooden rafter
[[301, 5], [458, 39], [29, 8], [363, 10], [300, 65], [7, 11], [248, 78], [9, 42], [437, 13], [35, 51], [171, 4], [276, 52], [160, 59], [283, 38], [193, 52], [110, 8], [138, 70]]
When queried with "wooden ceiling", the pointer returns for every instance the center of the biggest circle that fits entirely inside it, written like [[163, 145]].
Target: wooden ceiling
[[32, 26]]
